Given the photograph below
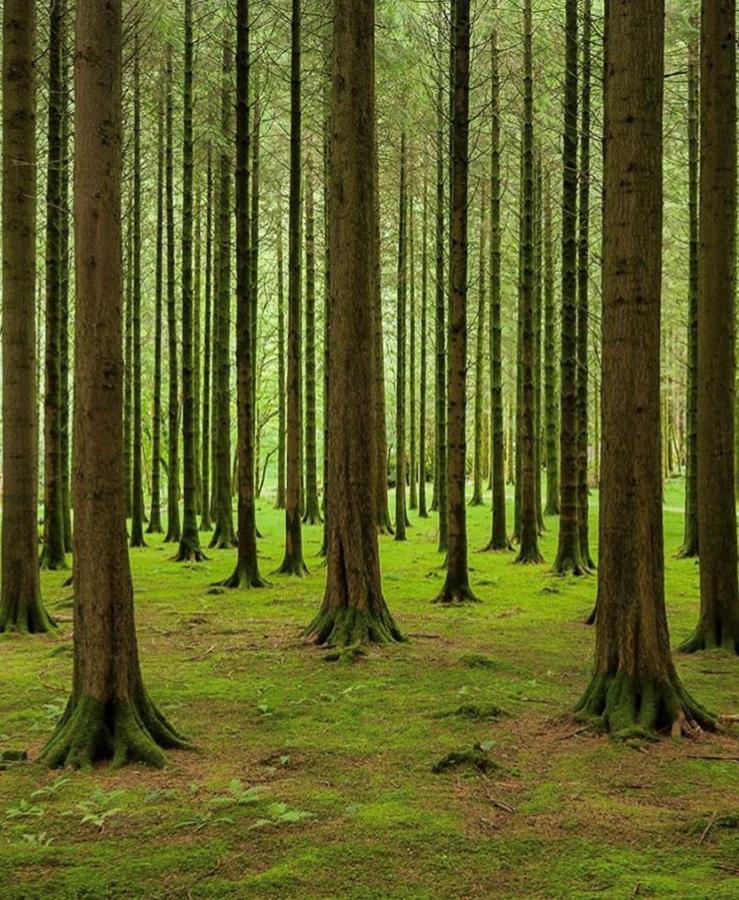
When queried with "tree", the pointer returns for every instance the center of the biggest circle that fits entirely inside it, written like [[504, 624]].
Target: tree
[[400, 357], [205, 447], [422, 509], [569, 559], [293, 563], [312, 514], [529, 526], [477, 471], [353, 608], [189, 549], [551, 507], [718, 624], [635, 688], [109, 713], [281, 413], [456, 586], [246, 574], [20, 595]]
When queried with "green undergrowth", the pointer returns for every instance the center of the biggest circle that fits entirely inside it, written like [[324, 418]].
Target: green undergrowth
[[314, 779]]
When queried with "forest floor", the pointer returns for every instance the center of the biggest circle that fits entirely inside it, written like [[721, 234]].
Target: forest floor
[[314, 778]]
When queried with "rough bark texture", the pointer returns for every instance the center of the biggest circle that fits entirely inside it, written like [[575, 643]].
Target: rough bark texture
[[281, 412], [568, 559], [20, 593], [478, 462], [551, 421], [109, 713], [412, 350], [353, 609], [400, 354], [422, 508], [635, 688], [456, 586], [155, 514], [718, 624], [205, 448], [312, 515]]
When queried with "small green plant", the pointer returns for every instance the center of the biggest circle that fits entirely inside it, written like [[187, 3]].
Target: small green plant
[[281, 814], [52, 790], [100, 807], [202, 820], [25, 810]]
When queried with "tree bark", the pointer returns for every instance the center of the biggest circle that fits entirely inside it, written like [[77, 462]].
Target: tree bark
[[551, 507], [312, 515], [400, 355], [205, 448]]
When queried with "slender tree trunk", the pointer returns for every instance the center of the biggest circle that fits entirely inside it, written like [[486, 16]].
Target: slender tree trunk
[[412, 398], [477, 472], [254, 262], [550, 361], [20, 593], [281, 412], [155, 516], [499, 532], [109, 713], [66, 400], [293, 563], [326, 312], [529, 527], [353, 608], [173, 403], [205, 474], [246, 574], [400, 376], [538, 322], [635, 689], [312, 514], [53, 552], [128, 364], [422, 448], [583, 276], [689, 548], [457, 587], [718, 624], [569, 559]]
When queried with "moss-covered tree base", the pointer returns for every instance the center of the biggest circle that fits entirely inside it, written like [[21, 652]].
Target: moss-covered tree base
[[456, 595], [569, 564], [346, 627], [120, 731], [294, 566], [244, 576], [529, 555], [172, 537], [48, 563], [718, 638], [26, 618], [626, 707], [689, 550], [155, 526], [223, 541], [497, 546], [189, 550], [312, 514]]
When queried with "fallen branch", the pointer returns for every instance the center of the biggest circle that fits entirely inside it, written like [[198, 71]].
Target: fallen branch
[[708, 827]]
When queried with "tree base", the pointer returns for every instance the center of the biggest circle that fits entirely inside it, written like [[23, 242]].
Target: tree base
[[27, 618], [155, 528], [688, 551], [346, 627], [497, 546], [244, 577], [627, 708], [456, 595], [702, 639], [138, 542], [172, 537], [593, 616], [529, 556], [123, 732], [189, 550], [565, 564], [52, 564], [293, 566]]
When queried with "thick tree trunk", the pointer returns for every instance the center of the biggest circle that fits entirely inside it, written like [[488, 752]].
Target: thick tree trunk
[[635, 689], [20, 594], [109, 713], [353, 608], [456, 586], [718, 624]]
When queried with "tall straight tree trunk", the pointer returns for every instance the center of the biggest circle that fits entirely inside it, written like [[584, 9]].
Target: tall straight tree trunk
[[551, 422], [20, 591], [254, 262], [457, 586], [281, 412], [538, 323], [440, 474], [312, 515], [499, 533], [246, 574], [423, 387], [66, 399], [173, 402], [293, 563], [529, 526], [583, 276], [326, 301], [128, 364], [155, 515], [223, 536], [569, 559], [477, 472], [353, 608], [400, 374], [718, 623], [412, 380], [689, 548], [189, 549], [109, 713], [197, 348], [53, 552], [205, 448], [635, 689], [137, 484]]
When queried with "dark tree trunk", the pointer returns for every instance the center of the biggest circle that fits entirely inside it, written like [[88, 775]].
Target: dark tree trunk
[[109, 714], [254, 263], [205, 483], [281, 413], [353, 608], [423, 387], [477, 472], [20, 594], [718, 624], [635, 689], [551, 423], [456, 586], [66, 400], [400, 356], [412, 404], [312, 515]]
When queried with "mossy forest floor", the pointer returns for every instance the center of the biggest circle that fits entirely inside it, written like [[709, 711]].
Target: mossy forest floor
[[315, 778]]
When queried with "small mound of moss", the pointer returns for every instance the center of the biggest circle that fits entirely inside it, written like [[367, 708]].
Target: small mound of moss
[[475, 758]]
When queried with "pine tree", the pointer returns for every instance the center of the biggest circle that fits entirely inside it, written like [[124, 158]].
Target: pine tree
[[422, 448], [477, 472], [312, 515], [400, 373], [205, 447], [551, 422]]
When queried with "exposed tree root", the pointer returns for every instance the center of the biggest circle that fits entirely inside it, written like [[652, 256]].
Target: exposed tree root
[[124, 732], [627, 708], [703, 639], [456, 595], [348, 627], [26, 618]]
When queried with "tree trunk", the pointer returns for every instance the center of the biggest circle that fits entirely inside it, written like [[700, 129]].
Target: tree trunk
[[635, 689], [281, 413], [400, 377], [422, 508], [550, 362], [477, 472], [109, 713], [312, 515], [205, 474], [20, 593], [412, 399], [353, 608], [718, 624]]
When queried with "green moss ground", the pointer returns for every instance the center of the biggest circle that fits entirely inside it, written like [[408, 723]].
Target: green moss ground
[[314, 778]]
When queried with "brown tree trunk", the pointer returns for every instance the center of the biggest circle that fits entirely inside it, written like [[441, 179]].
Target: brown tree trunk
[[353, 609], [635, 689], [109, 713], [20, 597]]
